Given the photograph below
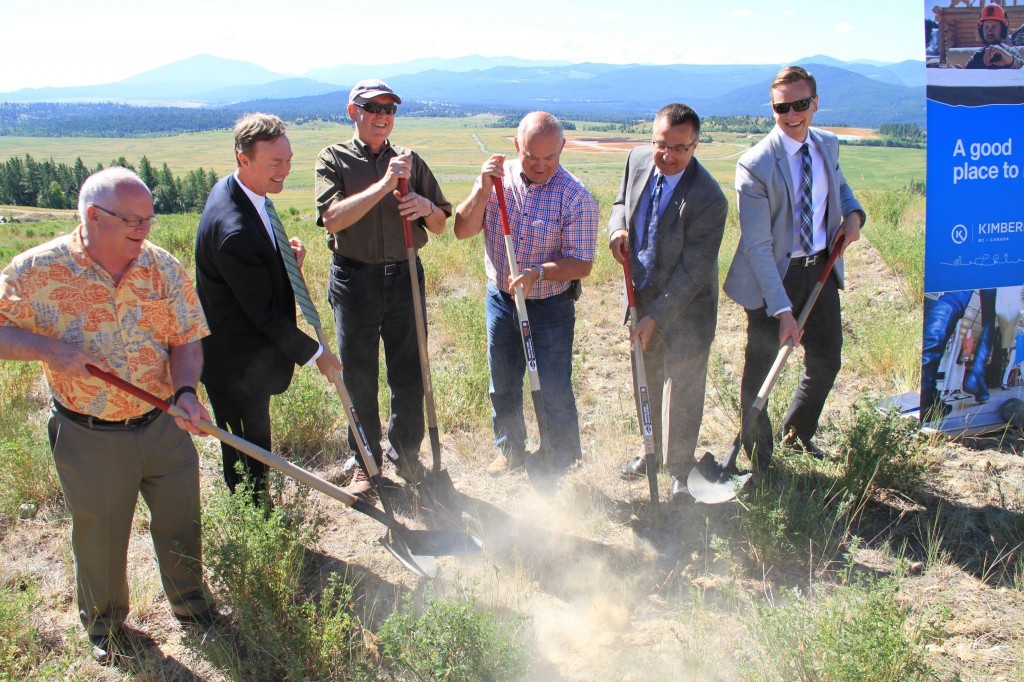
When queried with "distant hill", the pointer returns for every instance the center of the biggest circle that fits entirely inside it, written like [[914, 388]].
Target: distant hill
[[886, 93], [351, 73]]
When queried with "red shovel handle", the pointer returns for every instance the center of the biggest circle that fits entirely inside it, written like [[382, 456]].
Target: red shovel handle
[[139, 393], [499, 192], [403, 189]]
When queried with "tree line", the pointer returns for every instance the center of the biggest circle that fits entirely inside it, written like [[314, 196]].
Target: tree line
[[49, 184]]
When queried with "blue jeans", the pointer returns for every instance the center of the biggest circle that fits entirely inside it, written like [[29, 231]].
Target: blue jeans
[[371, 307], [552, 323]]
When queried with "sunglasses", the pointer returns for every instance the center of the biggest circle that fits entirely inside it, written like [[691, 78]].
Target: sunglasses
[[377, 108], [799, 105]]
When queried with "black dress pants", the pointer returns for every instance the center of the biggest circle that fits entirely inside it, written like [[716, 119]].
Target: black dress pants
[[822, 343]]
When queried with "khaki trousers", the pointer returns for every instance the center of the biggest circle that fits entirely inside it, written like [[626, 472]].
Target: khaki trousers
[[102, 471]]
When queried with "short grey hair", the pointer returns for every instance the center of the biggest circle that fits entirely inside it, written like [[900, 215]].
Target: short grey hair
[[103, 184], [539, 123]]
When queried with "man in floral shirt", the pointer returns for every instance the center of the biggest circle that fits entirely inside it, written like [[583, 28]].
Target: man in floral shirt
[[103, 295]]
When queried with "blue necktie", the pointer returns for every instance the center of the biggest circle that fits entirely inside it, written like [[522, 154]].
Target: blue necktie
[[646, 253], [806, 217], [291, 265]]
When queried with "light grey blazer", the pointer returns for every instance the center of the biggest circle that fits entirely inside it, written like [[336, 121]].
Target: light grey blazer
[[766, 196]]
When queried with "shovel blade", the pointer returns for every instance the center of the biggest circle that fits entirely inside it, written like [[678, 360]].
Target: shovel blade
[[424, 565], [441, 542], [712, 483]]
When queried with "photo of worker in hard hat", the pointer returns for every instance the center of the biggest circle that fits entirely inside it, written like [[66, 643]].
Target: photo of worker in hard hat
[[997, 52]]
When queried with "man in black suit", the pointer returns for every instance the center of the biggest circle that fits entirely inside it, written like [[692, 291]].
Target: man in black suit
[[669, 219], [242, 283]]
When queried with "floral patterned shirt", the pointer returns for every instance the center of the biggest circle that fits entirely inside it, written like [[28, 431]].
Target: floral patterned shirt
[[57, 290]]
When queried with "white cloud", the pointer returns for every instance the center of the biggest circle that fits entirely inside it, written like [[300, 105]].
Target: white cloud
[[741, 13], [788, 13], [845, 27]]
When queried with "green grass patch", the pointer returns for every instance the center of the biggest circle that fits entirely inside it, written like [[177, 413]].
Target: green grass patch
[[23, 654]]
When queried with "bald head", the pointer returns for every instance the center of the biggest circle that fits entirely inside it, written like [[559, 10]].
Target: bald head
[[540, 123], [102, 185], [539, 142]]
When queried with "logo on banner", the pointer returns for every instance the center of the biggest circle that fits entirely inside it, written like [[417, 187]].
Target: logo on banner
[[960, 234]]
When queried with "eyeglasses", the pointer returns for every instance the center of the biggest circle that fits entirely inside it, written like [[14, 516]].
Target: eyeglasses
[[130, 222], [677, 149], [799, 105], [377, 108]]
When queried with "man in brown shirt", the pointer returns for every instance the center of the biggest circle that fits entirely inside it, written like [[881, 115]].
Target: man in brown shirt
[[358, 202]]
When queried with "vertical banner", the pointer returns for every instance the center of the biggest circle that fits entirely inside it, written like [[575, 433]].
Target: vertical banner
[[973, 331]]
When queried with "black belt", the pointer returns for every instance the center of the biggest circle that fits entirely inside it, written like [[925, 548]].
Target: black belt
[[92, 422], [386, 269], [808, 261]]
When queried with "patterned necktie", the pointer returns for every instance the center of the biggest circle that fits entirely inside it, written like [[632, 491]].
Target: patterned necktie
[[806, 217], [292, 267], [646, 254]]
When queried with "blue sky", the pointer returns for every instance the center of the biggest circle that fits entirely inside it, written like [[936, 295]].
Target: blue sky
[[69, 42]]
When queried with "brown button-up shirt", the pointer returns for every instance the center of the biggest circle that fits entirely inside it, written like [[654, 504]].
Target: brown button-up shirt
[[348, 168]]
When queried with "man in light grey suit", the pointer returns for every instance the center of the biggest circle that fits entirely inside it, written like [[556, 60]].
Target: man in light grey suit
[[792, 199], [669, 219]]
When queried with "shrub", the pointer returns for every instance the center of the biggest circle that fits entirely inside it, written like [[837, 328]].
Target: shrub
[[881, 451], [858, 631], [453, 639], [255, 564]]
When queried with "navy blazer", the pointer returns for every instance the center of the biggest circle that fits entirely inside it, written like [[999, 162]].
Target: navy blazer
[[254, 342]]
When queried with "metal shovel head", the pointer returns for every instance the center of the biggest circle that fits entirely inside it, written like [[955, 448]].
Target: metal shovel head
[[441, 542], [711, 483], [421, 564]]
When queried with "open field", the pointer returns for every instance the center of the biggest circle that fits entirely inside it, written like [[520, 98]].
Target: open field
[[893, 559], [452, 147]]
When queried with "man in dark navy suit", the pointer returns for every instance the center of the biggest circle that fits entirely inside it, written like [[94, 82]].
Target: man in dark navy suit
[[242, 283]]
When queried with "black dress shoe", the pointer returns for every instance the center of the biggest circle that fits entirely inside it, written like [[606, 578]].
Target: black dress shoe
[[102, 653], [806, 446], [634, 468], [678, 492]]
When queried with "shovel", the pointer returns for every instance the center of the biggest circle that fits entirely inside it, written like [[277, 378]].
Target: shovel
[[524, 318], [416, 549], [643, 399], [713, 483], [438, 479]]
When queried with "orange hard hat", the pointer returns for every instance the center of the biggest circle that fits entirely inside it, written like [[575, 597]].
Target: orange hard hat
[[993, 13]]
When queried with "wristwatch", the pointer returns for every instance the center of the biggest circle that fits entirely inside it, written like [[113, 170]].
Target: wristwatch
[[540, 273]]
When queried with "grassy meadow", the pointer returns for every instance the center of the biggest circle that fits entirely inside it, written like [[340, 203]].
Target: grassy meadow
[[893, 560]]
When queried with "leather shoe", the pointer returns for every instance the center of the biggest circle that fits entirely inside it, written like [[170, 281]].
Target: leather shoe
[[361, 486], [102, 652], [634, 468], [507, 464], [211, 617], [678, 492]]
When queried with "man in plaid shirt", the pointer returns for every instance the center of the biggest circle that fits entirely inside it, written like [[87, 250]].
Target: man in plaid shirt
[[554, 222]]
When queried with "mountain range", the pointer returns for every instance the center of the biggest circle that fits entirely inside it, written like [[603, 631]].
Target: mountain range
[[883, 93]]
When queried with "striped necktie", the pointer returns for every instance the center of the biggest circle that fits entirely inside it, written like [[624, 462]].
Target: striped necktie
[[292, 267], [646, 255], [806, 215]]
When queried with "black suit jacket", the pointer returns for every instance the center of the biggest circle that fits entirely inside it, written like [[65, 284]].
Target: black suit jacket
[[685, 287], [254, 342]]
